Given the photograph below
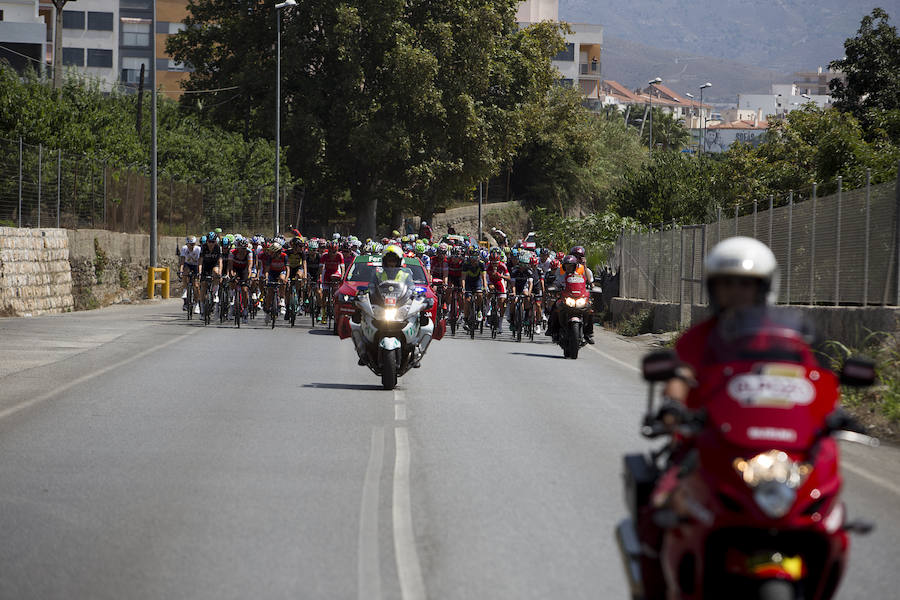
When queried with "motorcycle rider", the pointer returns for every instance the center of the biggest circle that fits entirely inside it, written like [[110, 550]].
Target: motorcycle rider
[[570, 267]]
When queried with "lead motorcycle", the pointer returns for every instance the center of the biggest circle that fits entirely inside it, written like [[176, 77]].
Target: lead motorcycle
[[747, 503], [391, 328], [573, 310]]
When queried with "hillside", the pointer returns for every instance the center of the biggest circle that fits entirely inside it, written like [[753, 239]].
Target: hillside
[[781, 35], [634, 64]]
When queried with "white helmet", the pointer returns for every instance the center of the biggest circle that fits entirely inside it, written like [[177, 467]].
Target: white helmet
[[424, 222], [744, 257]]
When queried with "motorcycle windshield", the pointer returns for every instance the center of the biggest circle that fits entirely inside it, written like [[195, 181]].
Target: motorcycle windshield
[[763, 387], [392, 286]]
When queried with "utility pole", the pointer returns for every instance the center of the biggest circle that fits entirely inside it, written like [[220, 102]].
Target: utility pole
[[153, 134], [57, 44]]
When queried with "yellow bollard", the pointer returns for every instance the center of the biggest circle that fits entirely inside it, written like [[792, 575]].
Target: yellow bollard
[[152, 281]]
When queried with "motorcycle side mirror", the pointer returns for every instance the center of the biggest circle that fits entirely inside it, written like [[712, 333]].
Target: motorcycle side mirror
[[661, 365], [429, 302], [362, 291], [858, 371]]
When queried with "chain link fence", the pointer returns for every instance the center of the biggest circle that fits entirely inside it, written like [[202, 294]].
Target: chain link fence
[[839, 249], [43, 187]]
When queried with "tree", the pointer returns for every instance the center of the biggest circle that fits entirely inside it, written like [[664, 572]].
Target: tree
[[872, 64], [668, 132], [399, 103]]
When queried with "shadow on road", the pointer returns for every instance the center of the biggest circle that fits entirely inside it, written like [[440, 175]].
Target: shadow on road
[[539, 355], [344, 386], [320, 332]]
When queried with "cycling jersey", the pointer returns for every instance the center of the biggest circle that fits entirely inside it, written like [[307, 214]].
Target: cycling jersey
[[521, 275], [425, 260], [192, 256], [472, 268], [455, 266], [439, 267], [313, 262], [240, 259], [348, 255], [275, 263], [295, 256], [210, 258], [331, 264], [495, 272]]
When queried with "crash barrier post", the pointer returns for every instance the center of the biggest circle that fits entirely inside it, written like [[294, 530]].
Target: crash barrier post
[[152, 282]]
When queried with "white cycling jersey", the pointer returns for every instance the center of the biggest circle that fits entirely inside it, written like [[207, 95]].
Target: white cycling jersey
[[191, 257]]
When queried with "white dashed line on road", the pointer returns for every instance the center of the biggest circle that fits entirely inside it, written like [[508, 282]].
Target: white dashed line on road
[[409, 572], [369, 562]]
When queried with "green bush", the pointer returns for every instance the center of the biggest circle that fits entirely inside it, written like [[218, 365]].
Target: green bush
[[636, 323], [124, 277], [101, 260], [884, 397]]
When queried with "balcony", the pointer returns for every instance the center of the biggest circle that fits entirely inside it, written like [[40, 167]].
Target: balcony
[[589, 70]]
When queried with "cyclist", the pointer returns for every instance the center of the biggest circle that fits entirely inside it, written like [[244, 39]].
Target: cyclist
[[296, 255], [522, 278], [454, 274], [313, 266], [498, 275], [439, 265], [332, 271], [189, 262], [240, 264], [474, 282], [424, 258], [210, 264], [274, 270]]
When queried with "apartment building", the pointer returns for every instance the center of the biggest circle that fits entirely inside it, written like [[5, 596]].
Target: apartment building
[[816, 83], [106, 41], [23, 38], [783, 99], [580, 62]]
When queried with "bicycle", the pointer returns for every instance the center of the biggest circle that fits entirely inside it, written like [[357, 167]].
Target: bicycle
[[292, 304], [492, 317], [208, 301], [272, 305], [313, 299], [330, 289], [476, 306], [517, 315], [191, 297], [224, 298], [537, 316], [239, 305], [440, 289]]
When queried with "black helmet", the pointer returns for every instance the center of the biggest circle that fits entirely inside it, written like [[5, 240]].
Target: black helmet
[[569, 260], [578, 252]]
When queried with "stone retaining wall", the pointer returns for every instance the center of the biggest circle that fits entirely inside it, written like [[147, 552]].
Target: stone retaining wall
[[35, 277]]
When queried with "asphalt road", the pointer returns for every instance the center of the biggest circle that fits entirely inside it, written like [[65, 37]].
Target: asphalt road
[[142, 456]]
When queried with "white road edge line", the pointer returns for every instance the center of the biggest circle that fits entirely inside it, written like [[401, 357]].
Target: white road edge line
[[399, 412], [871, 477], [46, 396], [369, 561], [409, 572], [614, 359]]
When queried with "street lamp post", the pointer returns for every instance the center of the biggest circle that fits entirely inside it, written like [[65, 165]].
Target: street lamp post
[[278, 7], [703, 118], [651, 84], [691, 96]]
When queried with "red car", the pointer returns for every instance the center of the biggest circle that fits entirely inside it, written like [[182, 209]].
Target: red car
[[360, 274]]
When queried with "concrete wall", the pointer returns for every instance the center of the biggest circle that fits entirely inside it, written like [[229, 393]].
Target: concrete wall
[[34, 271], [847, 324], [512, 219], [114, 267]]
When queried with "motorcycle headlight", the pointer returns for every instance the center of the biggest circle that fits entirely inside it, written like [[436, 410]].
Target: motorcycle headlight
[[580, 302], [390, 314], [571, 302], [775, 477]]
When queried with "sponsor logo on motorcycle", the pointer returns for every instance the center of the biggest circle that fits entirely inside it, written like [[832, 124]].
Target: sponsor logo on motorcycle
[[771, 391], [773, 434]]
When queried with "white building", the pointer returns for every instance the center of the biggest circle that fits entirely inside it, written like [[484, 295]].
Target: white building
[[579, 63], [23, 34], [783, 99], [90, 39]]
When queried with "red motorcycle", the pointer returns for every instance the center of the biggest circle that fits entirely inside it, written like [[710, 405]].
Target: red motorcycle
[[744, 502]]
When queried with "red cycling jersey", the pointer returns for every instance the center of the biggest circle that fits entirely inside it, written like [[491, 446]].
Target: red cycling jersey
[[439, 267], [275, 262], [239, 262], [495, 272], [332, 262], [455, 265]]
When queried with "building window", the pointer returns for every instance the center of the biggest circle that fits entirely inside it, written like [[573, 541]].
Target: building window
[[136, 4], [175, 65], [99, 58], [175, 28], [135, 32], [73, 57], [100, 21], [1, 15], [567, 55], [131, 69], [73, 19]]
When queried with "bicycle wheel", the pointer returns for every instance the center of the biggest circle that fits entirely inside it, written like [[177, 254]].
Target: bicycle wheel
[[453, 314], [480, 306], [273, 308], [520, 318], [313, 307], [190, 299], [238, 308], [294, 305]]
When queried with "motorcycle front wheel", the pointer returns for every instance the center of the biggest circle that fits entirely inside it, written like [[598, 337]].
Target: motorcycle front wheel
[[776, 589], [574, 340], [388, 369]]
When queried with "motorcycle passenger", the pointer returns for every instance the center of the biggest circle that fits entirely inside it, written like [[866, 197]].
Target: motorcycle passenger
[[571, 276]]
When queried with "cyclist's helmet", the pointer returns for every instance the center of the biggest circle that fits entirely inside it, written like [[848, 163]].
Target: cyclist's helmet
[[442, 249], [332, 245], [203, 239], [190, 239], [241, 243], [533, 261], [313, 244], [212, 237], [554, 264], [569, 263], [420, 248], [495, 254], [274, 247], [577, 252], [217, 230]]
